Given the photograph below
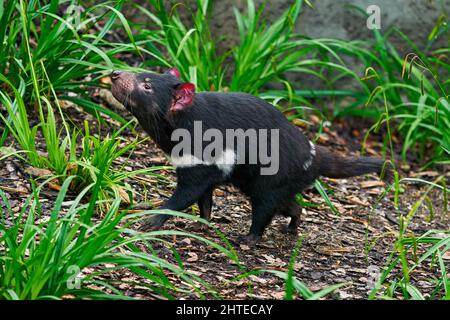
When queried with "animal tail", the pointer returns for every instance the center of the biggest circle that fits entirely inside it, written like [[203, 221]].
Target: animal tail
[[332, 165]]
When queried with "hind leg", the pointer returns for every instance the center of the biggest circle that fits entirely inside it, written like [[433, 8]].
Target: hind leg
[[264, 208], [293, 210], [262, 215]]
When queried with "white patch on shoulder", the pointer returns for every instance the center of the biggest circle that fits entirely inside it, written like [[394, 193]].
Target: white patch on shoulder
[[187, 160], [309, 162], [225, 162]]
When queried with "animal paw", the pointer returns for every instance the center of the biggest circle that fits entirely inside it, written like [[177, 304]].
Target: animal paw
[[154, 223], [249, 239], [288, 229], [199, 227]]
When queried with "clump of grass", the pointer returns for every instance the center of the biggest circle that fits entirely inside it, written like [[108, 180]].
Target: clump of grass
[[264, 54], [18, 124], [434, 245], [85, 166], [45, 47], [411, 251], [412, 89], [193, 50], [63, 156], [47, 53], [68, 255]]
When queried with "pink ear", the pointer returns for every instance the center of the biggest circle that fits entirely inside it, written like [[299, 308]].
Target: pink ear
[[183, 97], [174, 72]]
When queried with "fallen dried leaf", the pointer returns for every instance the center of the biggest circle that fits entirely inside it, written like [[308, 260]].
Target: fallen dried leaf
[[359, 220], [72, 167], [193, 257], [315, 119], [425, 174], [371, 184], [371, 151], [323, 139], [15, 190], [105, 80], [334, 250], [124, 195], [300, 123], [54, 186], [355, 200], [257, 279], [446, 255], [38, 172], [186, 241]]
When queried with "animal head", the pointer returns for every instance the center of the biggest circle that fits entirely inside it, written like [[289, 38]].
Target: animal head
[[145, 93]]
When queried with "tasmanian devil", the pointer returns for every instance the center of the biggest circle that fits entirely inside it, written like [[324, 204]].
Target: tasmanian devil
[[272, 163]]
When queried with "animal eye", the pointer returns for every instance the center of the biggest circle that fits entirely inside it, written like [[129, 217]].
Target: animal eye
[[147, 86]]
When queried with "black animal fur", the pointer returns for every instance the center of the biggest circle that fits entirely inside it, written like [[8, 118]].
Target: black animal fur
[[269, 194]]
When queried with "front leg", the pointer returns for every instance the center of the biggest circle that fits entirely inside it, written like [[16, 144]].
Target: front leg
[[193, 184], [205, 204], [182, 198]]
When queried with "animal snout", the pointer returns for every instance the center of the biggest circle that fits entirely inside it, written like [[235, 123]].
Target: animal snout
[[123, 84], [115, 75]]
